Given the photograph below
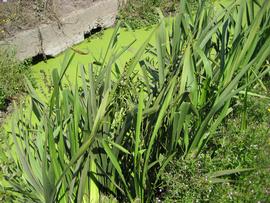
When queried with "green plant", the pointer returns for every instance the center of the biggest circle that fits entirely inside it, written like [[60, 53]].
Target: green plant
[[188, 180], [2, 100], [79, 139], [143, 13], [11, 77], [117, 128], [9, 170]]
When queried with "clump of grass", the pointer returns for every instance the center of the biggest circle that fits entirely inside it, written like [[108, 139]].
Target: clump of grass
[[144, 13], [11, 77]]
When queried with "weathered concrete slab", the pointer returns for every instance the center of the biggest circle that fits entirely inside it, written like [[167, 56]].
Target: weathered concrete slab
[[26, 43], [51, 39]]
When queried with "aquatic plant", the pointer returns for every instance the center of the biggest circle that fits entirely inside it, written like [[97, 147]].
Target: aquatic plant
[[116, 128]]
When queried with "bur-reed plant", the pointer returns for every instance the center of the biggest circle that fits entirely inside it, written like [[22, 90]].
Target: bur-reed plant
[[116, 128]]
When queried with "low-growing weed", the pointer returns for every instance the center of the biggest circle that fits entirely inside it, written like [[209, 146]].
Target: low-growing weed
[[11, 77], [143, 13], [186, 180]]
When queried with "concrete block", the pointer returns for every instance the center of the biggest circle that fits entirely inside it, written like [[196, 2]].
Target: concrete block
[[52, 39]]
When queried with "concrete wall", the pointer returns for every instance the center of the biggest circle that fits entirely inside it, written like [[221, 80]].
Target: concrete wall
[[51, 39]]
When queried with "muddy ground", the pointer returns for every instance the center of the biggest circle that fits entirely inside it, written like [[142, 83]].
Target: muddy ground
[[18, 15]]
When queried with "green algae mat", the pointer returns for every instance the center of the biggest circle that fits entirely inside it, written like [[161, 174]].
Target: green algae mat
[[92, 49]]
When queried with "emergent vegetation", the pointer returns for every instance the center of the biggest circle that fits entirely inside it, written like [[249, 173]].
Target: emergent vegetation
[[116, 129]]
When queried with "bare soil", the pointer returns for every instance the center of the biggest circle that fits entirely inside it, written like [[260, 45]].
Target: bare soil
[[18, 15]]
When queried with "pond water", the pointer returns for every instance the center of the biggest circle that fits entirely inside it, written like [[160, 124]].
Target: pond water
[[94, 47]]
